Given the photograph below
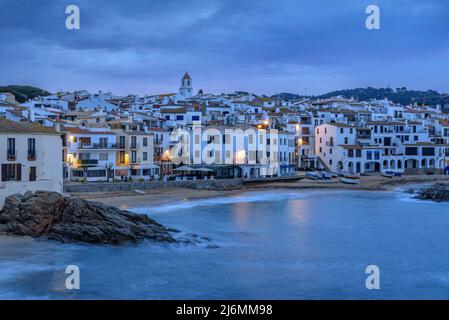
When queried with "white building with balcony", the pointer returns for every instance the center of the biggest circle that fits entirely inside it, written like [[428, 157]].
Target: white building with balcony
[[30, 158]]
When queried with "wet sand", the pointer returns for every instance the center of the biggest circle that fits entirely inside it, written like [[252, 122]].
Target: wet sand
[[172, 195]]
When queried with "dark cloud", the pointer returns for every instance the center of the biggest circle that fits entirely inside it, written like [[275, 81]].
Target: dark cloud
[[264, 46]]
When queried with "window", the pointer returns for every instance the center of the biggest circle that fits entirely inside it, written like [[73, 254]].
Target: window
[[122, 142], [145, 156], [346, 140], [103, 142], [167, 117], [78, 173], [31, 149], [11, 149], [133, 142], [104, 157], [428, 151], [179, 118], [195, 118], [350, 153], [133, 156], [122, 157], [341, 130], [145, 142], [96, 173], [12, 172]]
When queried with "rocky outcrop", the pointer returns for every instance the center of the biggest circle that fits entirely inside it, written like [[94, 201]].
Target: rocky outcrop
[[53, 216], [438, 192]]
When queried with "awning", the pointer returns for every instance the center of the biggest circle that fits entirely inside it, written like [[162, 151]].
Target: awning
[[183, 168], [205, 170]]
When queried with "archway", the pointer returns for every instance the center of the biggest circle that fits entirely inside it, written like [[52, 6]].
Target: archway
[[411, 164], [399, 164], [350, 167], [423, 163], [392, 164]]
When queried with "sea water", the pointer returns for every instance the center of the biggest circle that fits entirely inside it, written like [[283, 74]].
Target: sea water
[[271, 245]]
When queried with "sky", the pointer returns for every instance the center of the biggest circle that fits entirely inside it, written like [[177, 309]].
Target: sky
[[261, 46]]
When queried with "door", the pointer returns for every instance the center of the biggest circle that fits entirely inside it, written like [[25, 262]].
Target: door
[[33, 174]]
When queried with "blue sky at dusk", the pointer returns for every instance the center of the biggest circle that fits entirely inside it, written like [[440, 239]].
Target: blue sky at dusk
[[145, 46]]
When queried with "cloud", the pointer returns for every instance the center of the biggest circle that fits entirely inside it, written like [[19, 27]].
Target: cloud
[[258, 45]]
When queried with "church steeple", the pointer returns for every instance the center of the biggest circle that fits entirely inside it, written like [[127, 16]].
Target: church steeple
[[186, 89]]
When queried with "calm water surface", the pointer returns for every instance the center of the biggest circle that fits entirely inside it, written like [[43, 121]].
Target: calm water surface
[[272, 245]]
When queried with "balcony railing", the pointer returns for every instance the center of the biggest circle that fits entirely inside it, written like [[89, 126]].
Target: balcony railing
[[32, 155], [11, 155], [90, 162], [101, 146]]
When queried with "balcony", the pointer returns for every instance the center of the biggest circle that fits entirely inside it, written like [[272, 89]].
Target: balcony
[[11, 155], [90, 162], [98, 146], [32, 155]]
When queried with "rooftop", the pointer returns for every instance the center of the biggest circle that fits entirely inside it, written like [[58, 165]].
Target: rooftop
[[24, 127]]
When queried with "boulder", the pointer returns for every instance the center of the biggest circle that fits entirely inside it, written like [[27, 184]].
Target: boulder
[[53, 216], [438, 192]]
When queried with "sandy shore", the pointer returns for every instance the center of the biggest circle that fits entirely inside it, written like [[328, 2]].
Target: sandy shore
[[172, 195]]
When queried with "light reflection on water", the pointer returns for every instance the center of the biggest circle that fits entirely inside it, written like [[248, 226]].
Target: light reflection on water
[[277, 244]]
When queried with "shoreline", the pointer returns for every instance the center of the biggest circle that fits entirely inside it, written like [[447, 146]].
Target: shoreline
[[164, 196]]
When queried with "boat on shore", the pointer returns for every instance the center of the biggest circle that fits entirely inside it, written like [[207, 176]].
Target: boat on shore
[[387, 174], [313, 176], [349, 180]]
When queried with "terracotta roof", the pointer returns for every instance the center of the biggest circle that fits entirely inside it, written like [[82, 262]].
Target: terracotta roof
[[24, 127]]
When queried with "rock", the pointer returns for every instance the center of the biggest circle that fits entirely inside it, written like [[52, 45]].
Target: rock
[[50, 215], [27, 195], [438, 192]]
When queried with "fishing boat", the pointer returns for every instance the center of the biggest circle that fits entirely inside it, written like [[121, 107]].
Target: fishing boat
[[349, 180], [352, 176], [387, 174], [326, 175], [313, 176]]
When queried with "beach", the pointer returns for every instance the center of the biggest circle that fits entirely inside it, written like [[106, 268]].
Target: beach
[[165, 196]]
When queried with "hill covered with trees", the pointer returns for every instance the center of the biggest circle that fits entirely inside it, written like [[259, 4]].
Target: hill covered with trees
[[23, 93]]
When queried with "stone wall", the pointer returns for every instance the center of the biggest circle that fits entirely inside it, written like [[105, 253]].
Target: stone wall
[[130, 186], [218, 184]]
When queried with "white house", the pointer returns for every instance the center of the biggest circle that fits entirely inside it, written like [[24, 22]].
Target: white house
[[30, 158]]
